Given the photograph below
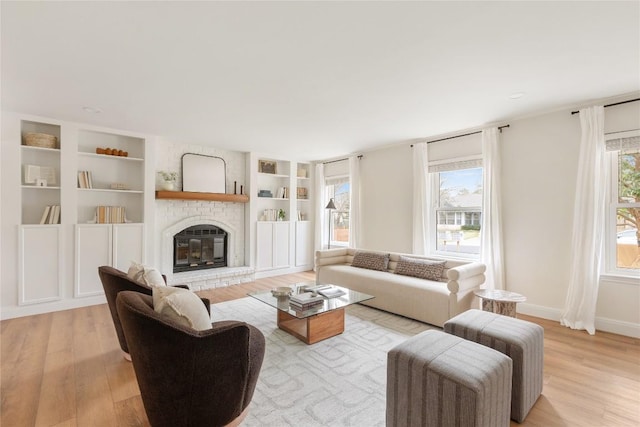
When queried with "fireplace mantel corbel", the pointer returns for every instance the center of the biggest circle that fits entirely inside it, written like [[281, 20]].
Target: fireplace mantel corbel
[[211, 197]]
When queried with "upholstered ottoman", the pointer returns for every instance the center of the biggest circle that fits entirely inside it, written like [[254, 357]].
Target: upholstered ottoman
[[437, 379], [522, 341]]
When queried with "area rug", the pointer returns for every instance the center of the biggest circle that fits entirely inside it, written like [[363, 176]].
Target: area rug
[[340, 381]]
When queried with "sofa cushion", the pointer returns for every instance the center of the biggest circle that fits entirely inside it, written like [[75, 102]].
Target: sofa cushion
[[422, 268], [371, 260], [182, 306], [147, 275]]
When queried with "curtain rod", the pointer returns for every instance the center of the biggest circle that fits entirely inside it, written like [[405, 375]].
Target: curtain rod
[[464, 134], [339, 160], [611, 105]]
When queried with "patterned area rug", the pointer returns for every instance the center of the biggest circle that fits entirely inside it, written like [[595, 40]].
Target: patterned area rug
[[340, 381]]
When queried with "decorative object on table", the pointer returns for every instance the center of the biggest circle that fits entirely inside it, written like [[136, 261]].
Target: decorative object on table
[[281, 214], [168, 180], [112, 152], [41, 140], [204, 174], [267, 166], [331, 206], [281, 291]]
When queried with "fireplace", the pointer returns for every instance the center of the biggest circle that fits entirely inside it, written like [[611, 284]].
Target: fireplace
[[199, 247]]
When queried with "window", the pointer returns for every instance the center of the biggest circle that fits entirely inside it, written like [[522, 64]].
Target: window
[[622, 239], [337, 188], [457, 207]]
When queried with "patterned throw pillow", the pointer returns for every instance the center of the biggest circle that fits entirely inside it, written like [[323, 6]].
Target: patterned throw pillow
[[422, 268], [370, 260]]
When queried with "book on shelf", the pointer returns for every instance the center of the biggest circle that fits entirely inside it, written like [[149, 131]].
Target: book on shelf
[[50, 215], [45, 215], [282, 193], [110, 215], [84, 179]]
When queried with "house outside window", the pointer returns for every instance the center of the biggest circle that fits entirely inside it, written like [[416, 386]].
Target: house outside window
[[457, 205], [622, 242], [338, 189]]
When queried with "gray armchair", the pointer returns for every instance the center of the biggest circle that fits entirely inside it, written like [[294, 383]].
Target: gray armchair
[[115, 281], [188, 377]]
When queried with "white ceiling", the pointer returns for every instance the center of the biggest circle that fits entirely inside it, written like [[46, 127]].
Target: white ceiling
[[312, 80]]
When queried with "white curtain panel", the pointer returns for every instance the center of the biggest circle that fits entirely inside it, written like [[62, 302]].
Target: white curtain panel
[[421, 194], [588, 224], [354, 204], [491, 252], [320, 204]]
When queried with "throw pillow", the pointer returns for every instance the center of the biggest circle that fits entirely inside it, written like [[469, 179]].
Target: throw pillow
[[147, 275], [182, 306], [422, 268], [370, 260]]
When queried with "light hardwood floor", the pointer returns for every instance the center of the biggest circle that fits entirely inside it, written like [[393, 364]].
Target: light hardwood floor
[[66, 369]]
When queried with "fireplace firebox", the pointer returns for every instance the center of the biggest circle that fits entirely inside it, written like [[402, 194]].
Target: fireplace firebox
[[199, 247]]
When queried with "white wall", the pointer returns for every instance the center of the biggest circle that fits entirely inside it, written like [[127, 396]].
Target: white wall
[[540, 161]]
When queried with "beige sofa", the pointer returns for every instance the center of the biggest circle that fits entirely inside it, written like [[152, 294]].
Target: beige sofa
[[428, 301]]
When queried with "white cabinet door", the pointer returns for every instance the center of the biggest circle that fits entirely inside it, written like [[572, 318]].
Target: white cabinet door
[[40, 277], [264, 245], [128, 245], [303, 243], [93, 249], [281, 244], [272, 245]]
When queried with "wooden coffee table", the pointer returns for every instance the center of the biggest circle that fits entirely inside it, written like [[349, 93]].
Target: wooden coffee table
[[316, 324]]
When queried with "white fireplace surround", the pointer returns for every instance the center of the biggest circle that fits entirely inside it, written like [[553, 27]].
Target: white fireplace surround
[[207, 278]]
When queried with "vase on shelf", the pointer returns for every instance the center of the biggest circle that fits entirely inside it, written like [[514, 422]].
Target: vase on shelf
[[168, 185]]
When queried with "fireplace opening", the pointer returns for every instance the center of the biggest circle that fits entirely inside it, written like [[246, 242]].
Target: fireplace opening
[[199, 247]]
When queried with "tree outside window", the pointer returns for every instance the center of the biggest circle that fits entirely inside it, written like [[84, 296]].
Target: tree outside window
[[628, 210]]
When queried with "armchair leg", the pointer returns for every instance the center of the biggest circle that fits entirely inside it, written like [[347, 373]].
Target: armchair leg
[[238, 420]]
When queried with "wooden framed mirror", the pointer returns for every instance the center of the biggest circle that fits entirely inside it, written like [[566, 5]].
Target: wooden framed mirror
[[204, 174]]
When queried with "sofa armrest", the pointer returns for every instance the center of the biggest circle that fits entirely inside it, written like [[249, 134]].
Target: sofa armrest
[[331, 256], [465, 277]]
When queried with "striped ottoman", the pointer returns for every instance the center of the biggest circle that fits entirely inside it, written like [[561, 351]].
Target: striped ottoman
[[522, 341], [437, 379]]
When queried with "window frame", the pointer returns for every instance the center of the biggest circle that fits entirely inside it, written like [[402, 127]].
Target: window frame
[[327, 183], [609, 268], [434, 204]]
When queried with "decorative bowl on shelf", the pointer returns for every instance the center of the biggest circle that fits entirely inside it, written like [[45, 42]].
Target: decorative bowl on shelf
[[281, 291]]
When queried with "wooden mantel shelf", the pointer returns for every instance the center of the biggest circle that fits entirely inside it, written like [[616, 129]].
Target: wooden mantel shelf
[[212, 197]]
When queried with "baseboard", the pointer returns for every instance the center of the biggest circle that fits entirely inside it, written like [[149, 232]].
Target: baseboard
[[603, 324], [30, 310], [280, 271]]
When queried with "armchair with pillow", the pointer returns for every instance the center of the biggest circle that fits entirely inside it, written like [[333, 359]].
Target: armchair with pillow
[[190, 372], [142, 280]]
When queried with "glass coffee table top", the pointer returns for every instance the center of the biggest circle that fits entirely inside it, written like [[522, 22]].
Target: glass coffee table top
[[328, 304]]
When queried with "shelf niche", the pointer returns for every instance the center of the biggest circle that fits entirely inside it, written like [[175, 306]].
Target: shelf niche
[[210, 197]]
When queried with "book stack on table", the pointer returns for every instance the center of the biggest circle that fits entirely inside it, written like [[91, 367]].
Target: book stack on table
[[305, 301]]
